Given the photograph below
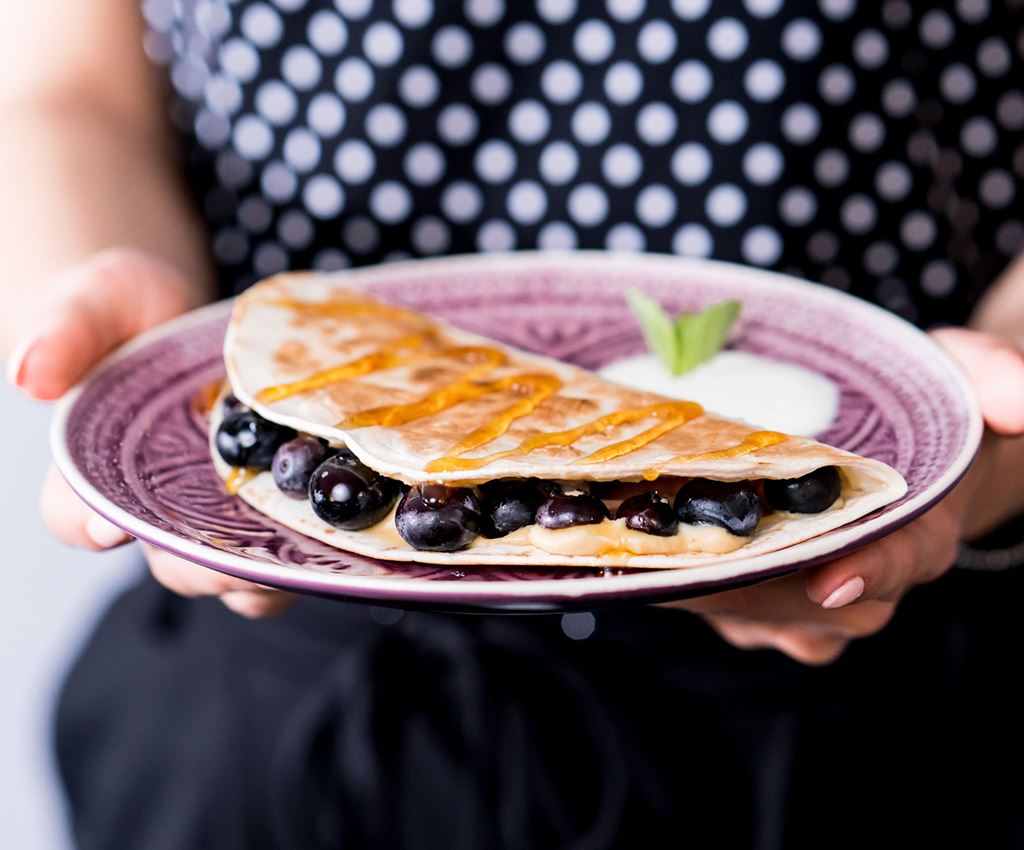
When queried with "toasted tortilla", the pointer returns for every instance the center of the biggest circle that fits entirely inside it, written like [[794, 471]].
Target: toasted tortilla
[[292, 335]]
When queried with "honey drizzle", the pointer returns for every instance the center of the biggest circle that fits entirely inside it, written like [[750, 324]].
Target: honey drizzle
[[238, 478], [464, 390], [534, 387], [205, 398], [750, 443], [677, 412], [485, 359], [385, 358], [349, 306]]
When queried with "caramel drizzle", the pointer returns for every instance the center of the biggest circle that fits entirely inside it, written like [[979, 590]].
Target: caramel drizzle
[[533, 389]]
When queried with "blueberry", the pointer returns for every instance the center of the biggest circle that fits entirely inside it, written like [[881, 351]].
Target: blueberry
[[603, 489], [547, 488], [229, 404], [345, 451], [649, 513], [294, 463], [564, 511], [347, 494], [245, 438], [809, 494], [437, 518], [511, 503], [732, 505]]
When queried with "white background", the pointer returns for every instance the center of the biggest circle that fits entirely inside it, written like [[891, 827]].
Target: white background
[[49, 598]]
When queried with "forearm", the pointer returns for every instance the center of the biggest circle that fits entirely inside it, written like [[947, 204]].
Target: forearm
[[999, 494], [78, 178]]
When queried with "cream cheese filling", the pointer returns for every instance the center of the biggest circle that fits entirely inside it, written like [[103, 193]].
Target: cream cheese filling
[[605, 538], [614, 536], [608, 537]]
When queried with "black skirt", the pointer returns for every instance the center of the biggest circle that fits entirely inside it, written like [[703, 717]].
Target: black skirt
[[183, 726]]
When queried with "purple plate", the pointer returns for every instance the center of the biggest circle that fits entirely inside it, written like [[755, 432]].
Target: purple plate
[[130, 441]]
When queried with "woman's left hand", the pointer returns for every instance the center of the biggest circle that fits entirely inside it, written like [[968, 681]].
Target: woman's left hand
[[813, 615]]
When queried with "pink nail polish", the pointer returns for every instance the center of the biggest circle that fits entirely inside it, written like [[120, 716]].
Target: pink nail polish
[[16, 362], [849, 591]]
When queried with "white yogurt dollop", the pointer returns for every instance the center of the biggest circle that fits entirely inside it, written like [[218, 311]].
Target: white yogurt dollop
[[738, 385]]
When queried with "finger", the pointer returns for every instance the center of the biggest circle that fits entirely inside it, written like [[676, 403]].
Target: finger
[[784, 601], [71, 521], [96, 306], [804, 645], [884, 571], [257, 604], [778, 600], [810, 649], [189, 579], [741, 634], [995, 370]]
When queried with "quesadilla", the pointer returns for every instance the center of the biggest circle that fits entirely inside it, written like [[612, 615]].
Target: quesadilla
[[384, 431]]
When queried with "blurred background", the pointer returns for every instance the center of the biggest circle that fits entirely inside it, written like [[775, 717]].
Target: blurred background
[[51, 595]]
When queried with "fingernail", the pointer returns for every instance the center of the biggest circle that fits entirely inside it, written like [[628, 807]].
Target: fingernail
[[847, 592], [16, 362], [103, 533]]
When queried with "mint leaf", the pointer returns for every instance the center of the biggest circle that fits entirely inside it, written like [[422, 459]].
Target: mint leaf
[[699, 336], [691, 339], [655, 324]]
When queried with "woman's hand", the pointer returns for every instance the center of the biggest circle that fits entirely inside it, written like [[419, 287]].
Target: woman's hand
[[813, 615], [96, 306]]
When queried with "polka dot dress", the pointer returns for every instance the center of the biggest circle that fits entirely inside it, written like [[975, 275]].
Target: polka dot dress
[[873, 147]]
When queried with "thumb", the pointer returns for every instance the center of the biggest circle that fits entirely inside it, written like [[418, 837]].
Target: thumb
[[995, 369], [95, 306]]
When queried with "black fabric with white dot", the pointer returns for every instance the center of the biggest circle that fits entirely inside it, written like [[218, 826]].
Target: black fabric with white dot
[[874, 147]]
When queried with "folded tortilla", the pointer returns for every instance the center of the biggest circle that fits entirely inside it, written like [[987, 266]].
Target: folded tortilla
[[421, 401]]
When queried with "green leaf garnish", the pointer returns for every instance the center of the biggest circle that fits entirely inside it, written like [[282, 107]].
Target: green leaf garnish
[[658, 328], [690, 339]]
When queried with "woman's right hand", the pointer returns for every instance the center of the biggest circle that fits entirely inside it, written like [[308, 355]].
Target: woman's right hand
[[97, 305]]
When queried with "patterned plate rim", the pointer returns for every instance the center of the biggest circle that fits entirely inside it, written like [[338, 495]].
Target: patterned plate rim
[[540, 594]]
